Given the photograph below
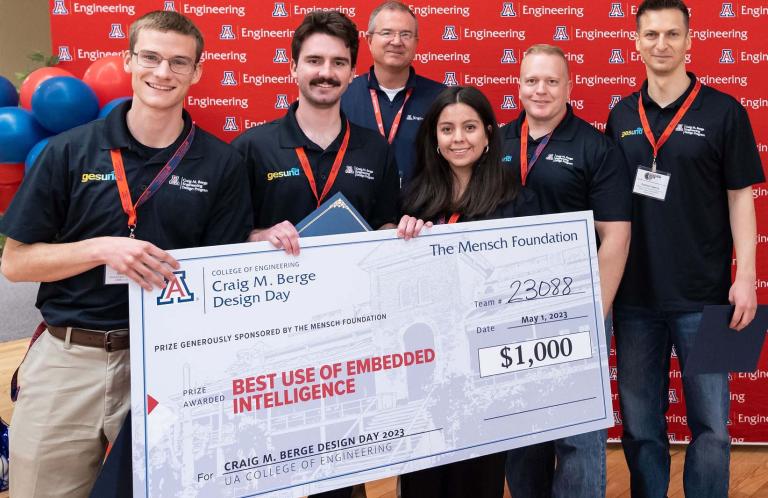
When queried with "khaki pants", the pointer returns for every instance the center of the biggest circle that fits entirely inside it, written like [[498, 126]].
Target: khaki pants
[[72, 402]]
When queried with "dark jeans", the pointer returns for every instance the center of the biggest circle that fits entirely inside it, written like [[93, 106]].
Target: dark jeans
[[644, 340]]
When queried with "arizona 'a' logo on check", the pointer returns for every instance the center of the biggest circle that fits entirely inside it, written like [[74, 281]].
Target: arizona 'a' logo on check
[[176, 290]]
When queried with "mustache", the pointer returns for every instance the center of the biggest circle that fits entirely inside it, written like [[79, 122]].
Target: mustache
[[325, 81]]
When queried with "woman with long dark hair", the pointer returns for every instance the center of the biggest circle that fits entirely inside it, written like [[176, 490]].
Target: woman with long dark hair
[[459, 176]]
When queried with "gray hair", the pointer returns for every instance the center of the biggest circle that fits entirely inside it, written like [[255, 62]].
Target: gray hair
[[390, 5]]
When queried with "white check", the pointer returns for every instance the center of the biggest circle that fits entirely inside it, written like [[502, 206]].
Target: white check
[[365, 357]]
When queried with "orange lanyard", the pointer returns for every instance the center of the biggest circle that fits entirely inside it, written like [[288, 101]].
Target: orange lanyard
[[454, 218], [525, 167], [334, 169], [380, 121], [122, 181], [672, 124]]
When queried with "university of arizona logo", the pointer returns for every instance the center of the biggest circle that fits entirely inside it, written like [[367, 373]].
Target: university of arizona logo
[[59, 8], [281, 101], [508, 10], [64, 55], [228, 79], [673, 396], [674, 350], [116, 31], [727, 10], [281, 57], [169, 6], [449, 33], [174, 180], [450, 79], [227, 33], [671, 436], [616, 418], [508, 57], [176, 290], [616, 10], [509, 102], [561, 33], [230, 124], [616, 56], [726, 56], [279, 10], [613, 373], [614, 100]]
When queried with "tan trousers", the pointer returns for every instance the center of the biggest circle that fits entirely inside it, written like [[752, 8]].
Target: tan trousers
[[73, 400]]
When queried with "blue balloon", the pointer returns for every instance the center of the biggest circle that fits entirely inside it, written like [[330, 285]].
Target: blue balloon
[[63, 102], [19, 131], [33, 153], [9, 97], [111, 105]]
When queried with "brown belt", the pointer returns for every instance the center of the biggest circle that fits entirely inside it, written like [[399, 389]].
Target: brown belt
[[108, 340]]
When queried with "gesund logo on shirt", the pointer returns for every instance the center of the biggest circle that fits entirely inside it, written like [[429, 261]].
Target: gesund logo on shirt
[[629, 133], [97, 177], [272, 175]]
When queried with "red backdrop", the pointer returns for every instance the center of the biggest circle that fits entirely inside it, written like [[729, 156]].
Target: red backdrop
[[246, 82]]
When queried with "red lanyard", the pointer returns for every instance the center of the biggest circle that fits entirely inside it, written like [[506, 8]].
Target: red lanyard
[[380, 121], [672, 124], [334, 169], [454, 218], [122, 182], [525, 166]]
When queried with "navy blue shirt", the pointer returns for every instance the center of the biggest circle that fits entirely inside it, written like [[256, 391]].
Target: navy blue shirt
[[579, 169], [70, 195], [356, 104], [367, 177], [681, 248]]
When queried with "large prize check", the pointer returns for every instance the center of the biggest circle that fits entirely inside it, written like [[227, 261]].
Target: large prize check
[[259, 374]]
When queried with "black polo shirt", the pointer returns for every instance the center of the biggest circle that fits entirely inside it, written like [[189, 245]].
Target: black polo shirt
[[356, 104], [367, 177], [680, 254], [579, 169], [71, 195]]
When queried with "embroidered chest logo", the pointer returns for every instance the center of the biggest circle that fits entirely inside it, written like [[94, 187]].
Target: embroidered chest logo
[[275, 175], [97, 177], [695, 131], [560, 159], [188, 184], [358, 172]]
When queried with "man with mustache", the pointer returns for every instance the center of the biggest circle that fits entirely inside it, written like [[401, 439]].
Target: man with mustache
[[313, 152], [391, 97]]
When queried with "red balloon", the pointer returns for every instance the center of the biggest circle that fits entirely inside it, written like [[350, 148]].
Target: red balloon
[[108, 79], [31, 82], [10, 180]]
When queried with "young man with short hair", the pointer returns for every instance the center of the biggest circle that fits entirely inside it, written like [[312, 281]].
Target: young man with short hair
[[693, 160], [391, 98], [572, 167], [314, 151], [315, 147], [100, 201]]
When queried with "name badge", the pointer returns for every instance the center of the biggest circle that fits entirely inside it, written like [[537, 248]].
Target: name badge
[[112, 277], [650, 183]]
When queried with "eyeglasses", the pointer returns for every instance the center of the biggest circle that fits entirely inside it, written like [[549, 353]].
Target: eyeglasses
[[150, 60], [389, 34]]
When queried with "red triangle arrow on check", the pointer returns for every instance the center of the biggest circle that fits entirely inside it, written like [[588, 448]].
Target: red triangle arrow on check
[[151, 404]]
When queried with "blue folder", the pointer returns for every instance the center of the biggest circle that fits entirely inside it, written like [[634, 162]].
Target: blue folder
[[334, 216]]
